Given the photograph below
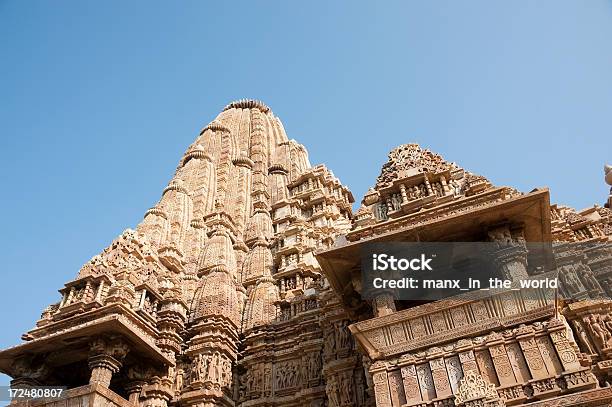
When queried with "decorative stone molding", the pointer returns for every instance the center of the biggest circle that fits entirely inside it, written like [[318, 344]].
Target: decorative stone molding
[[427, 325], [474, 390]]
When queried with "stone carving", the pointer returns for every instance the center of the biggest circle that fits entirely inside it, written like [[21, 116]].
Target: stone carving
[[411, 157], [212, 368], [179, 380], [343, 339], [287, 374], [598, 330], [570, 281], [455, 372], [473, 387]]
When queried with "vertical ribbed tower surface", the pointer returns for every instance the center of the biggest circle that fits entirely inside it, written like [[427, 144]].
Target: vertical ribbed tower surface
[[160, 315]]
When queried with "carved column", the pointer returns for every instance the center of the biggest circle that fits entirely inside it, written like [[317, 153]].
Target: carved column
[[518, 362], [133, 389], [403, 193], [105, 359], [426, 385], [440, 377], [381, 384], [563, 346], [531, 351], [501, 362], [444, 185], [510, 255], [466, 356], [396, 388], [383, 304], [410, 380], [369, 397], [342, 370], [428, 186]]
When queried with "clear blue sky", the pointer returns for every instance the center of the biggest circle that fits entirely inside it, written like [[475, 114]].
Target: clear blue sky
[[99, 99]]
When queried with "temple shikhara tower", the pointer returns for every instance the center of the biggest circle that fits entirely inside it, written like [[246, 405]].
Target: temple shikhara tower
[[242, 286]]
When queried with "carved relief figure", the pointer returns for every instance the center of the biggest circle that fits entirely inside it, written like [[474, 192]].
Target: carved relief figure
[[583, 337], [344, 338], [178, 381], [570, 281], [330, 343], [396, 201], [586, 275], [346, 388], [267, 377], [600, 334], [332, 392]]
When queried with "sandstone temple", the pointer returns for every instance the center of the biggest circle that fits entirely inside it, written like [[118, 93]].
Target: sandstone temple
[[242, 287]]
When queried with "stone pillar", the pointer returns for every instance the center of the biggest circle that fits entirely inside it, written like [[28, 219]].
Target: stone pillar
[[510, 256], [531, 351], [381, 384], [155, 393], [444, 185], [501, 362], [403, 193], [410, 380], [383, 304], [467, 357], [426, 382], [137, 376], [485, 365], [133, 389], [23, 383], [563, 346], [396, 388], [371, 398], [440, 377], [518, 362], [105, 359], [428, 186]]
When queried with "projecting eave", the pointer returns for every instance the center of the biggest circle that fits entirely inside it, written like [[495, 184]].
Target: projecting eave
[[465, 219], [71, 344]]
